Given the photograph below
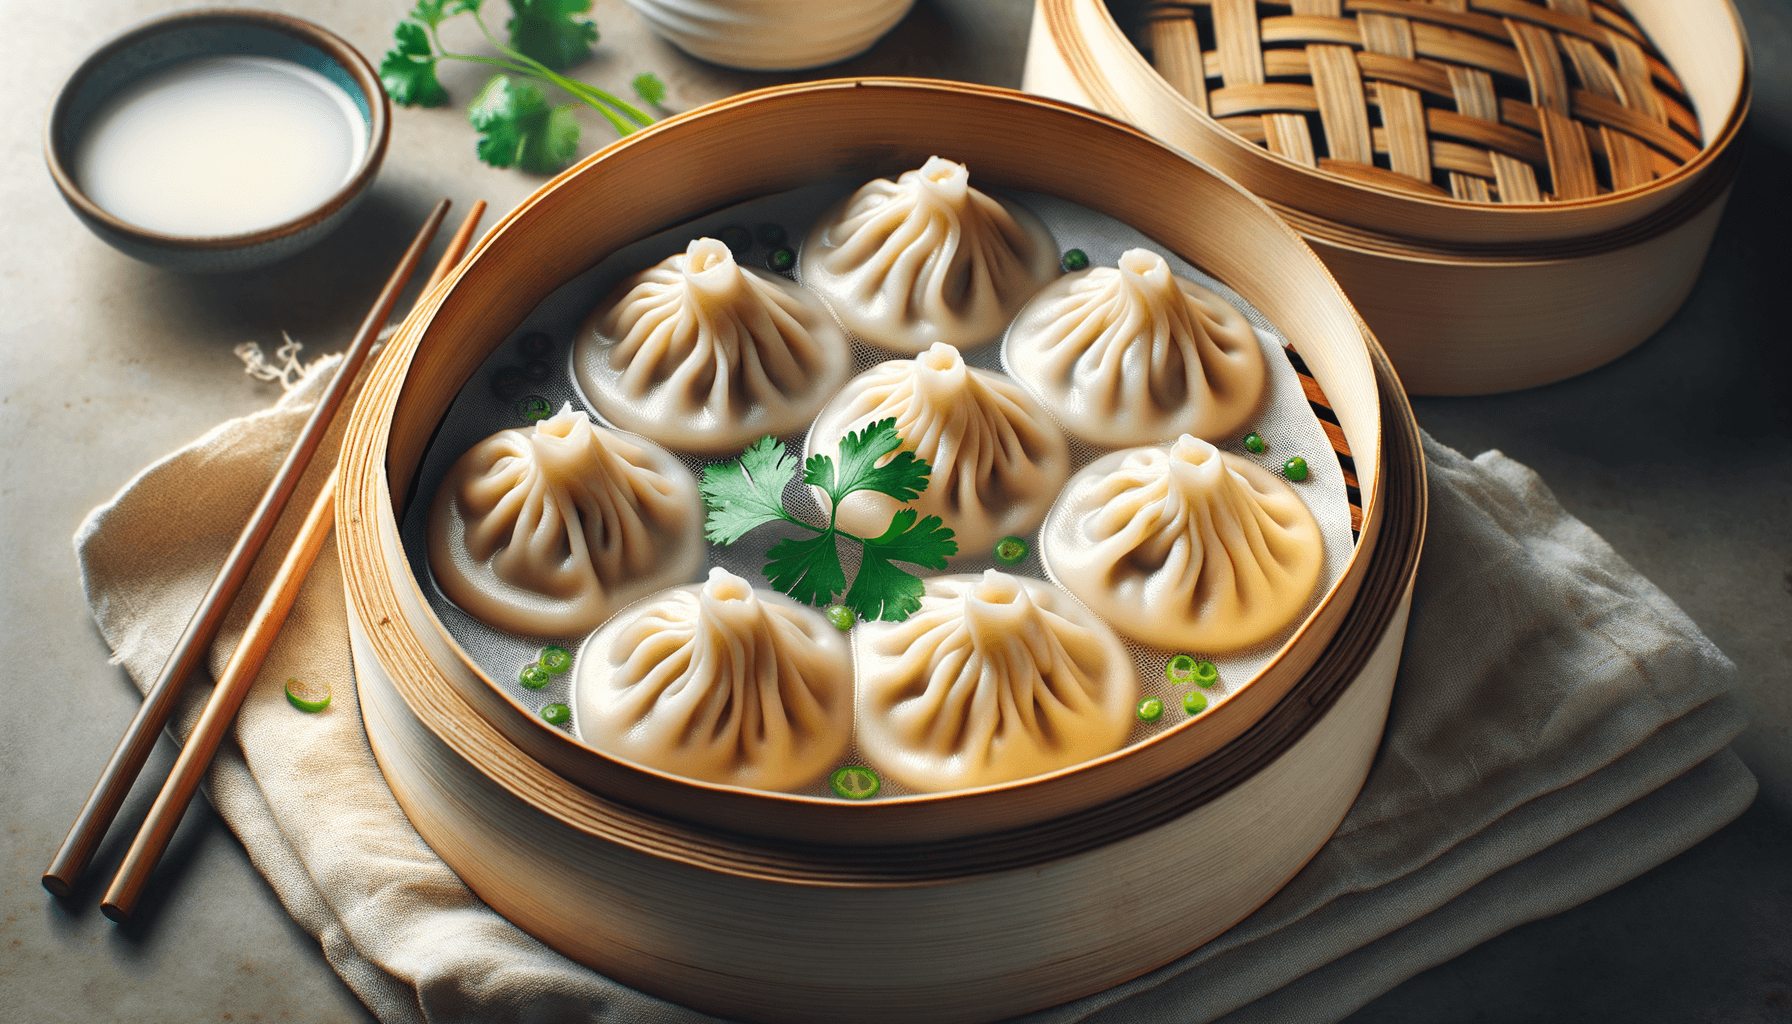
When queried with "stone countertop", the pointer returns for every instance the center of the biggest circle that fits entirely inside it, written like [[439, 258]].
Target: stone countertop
[[1680, 454]]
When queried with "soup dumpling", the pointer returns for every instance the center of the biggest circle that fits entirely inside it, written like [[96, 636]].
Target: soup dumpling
[[719, 682], [927, 258], [995, 678], [997, 461], [1185, 546], [546, 531], [1133, 354], [704, 355]]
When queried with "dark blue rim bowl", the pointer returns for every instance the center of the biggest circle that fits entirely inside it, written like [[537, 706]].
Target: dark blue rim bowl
[[157, 44]]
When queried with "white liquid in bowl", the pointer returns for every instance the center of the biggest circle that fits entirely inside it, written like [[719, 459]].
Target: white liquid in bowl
[[220, 146]]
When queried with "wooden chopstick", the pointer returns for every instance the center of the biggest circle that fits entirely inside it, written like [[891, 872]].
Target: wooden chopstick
[[457, 247], [190, 650], [245, 664]]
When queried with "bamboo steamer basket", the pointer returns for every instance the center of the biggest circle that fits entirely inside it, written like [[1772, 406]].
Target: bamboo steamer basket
[[1492, 243], [971, 906]]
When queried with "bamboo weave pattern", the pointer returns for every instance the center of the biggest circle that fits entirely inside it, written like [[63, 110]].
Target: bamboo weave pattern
[[1512, 101]]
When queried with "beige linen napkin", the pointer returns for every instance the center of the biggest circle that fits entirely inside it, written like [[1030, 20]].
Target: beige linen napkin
[[1559, 727]]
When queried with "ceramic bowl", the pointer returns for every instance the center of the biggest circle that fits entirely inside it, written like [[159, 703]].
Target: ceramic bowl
[[158, 44], [772, 35]]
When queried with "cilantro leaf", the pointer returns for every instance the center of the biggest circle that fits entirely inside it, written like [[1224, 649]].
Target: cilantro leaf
[[882, 591], [808, 569], [904, 478], [926, 543], [544, 30], [430, 12], [408, 70], [649, 87], [748, 492], [518, 127]]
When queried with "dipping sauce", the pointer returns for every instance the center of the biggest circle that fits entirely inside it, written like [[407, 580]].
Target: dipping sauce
[[220, 146]]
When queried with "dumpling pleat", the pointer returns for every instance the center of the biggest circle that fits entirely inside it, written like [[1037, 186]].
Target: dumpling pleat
[[1132, 354], [719, 682], [702, 354], [545, 532], [995, 678], [1185, 547], [927, 259]]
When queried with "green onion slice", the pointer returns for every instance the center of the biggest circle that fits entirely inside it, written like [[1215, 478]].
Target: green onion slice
[[855, 782], [307, 697]]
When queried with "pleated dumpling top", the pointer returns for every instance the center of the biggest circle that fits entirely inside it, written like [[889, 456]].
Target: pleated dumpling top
[[1185, 546], [997, 460], [719, 682], [995, 678], [704, 355], [927, 258], [546, 531], [1132, 355]]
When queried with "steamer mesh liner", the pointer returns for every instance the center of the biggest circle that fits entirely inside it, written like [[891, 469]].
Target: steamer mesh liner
[[1286, 423]]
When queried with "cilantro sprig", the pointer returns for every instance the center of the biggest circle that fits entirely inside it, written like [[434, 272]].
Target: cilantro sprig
[[749, 493], [518, 126]]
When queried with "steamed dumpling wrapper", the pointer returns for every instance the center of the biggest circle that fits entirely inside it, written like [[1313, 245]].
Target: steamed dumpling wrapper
[[1185, 546], [997, 460], [546, 531], [927, 258], [995, 678], [1133, 354], [719, 682], [704, 355]]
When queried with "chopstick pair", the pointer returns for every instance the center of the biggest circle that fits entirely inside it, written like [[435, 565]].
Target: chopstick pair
[[158, 705]]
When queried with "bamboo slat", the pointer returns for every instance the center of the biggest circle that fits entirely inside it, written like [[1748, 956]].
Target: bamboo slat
[[1470, 188], [1241, 53], [1633, 72], [1517, 182], [1287, 135], [1178, 50], [1318, 8], [1342, 109], [1629, 159]]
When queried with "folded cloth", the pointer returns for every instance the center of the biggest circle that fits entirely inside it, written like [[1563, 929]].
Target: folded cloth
[[1559, 726]]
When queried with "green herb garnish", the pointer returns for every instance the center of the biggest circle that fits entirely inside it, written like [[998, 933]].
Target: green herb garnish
[[555, 659], [409, 69], [1011, 550], [544, 30], [855, 782], [519, 127], [306, 696], [749, 492], [648, 86]]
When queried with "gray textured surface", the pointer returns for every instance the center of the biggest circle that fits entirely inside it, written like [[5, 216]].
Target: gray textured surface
[[1680, 454]]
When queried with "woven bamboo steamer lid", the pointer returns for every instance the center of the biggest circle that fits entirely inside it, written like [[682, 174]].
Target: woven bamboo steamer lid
[[742, 148], [953, 908], [1609, 202]]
